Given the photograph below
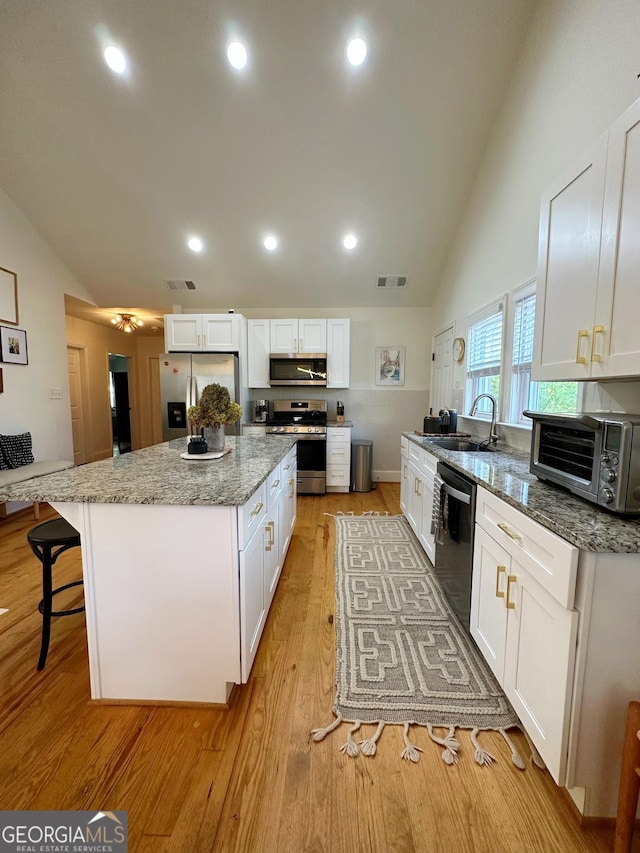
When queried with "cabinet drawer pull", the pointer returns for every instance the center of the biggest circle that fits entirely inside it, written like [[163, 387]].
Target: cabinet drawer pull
[[515, 536], [286, 467], [276, 484], [597, 330], [509, 604], [257, 509], [580, 359], [499, 571]]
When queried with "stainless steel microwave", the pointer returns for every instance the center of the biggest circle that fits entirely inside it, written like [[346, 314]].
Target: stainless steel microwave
[[298, 369], [596, 456]]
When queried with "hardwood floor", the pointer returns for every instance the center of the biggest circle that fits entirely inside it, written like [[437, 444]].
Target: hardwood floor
[[249, 778]]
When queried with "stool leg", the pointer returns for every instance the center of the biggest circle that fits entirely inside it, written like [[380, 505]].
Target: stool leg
[[629, 782], [47, 604]]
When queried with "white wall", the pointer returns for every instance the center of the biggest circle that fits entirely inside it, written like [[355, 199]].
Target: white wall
[[25, 404], [577, 73]]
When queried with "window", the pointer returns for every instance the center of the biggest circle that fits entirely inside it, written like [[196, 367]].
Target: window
[[524, 393], [484, 356]]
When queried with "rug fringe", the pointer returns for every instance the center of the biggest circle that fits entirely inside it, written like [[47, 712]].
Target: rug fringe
[[368, 746], [483, 758], [370, 513], [319, 734], [451, 745], [351, 748], [515, 755], [411, 752]]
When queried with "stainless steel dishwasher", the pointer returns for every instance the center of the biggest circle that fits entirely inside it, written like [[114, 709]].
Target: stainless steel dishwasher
[[454, 539]]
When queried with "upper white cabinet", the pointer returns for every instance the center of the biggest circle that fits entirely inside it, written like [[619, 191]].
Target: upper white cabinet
[[305, 336], [202, 332], [302, 336], [338, 353], [258, 343], [589, 263]]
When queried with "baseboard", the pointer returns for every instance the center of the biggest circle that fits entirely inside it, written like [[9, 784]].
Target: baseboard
[[385, 476]]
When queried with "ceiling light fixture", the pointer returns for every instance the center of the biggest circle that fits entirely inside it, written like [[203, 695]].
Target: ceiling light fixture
[[349, 241], [195, 244], [356, 51], [270, 243], [115, 59], [237, 55], [127, 322]]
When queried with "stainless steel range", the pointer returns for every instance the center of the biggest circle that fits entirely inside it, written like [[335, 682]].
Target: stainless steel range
[[306, 419]]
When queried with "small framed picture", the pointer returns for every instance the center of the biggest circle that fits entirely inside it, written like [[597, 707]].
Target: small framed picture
[[389, 366], [13, 345]]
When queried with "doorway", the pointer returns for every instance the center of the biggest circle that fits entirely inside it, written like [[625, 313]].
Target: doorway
[[77, 382], [120, 408], [442, 371]]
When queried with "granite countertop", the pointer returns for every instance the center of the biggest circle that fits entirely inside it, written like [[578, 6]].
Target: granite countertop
[[506, 473], [343, 424], [157, 475]]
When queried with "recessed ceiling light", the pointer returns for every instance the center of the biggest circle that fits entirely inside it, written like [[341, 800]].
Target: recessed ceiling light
[[270, 243], [115, 59], [237, 55], [195, 244], [356, 51], [349, 241]]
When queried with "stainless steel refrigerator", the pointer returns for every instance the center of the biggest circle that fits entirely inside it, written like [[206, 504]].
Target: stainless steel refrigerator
[[182, 378]]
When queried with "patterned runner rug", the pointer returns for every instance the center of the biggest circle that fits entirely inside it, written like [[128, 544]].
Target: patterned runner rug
[[402, 655]]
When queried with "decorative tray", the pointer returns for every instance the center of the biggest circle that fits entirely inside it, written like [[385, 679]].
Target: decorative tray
[[205, 457]]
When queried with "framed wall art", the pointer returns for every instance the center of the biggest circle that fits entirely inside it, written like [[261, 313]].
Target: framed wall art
[[8, 296], [13, 345], [389, 368]]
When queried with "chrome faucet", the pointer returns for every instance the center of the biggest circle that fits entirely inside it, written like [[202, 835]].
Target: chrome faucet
[[493, 436]]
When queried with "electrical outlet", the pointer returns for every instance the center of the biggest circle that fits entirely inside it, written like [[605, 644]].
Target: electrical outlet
[[55, 393]]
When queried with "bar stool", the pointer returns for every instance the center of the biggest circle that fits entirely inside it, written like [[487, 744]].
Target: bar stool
[[44, 538]]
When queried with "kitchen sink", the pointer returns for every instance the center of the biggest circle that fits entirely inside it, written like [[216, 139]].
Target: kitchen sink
[[461, 444]]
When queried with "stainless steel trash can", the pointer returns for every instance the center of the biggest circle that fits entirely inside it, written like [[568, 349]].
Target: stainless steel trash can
[[361, 460]]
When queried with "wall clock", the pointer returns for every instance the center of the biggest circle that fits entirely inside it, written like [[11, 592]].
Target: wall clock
[[458, 349]]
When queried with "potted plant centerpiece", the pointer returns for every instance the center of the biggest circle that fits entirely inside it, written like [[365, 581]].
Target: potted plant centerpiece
[[216, 409]]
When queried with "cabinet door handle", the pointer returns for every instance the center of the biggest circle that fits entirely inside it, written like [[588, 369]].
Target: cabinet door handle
[[418, 484], [509, 604], [404, 472], [515, 536], [580, 359], [597, 330], [267, 528], [271, 527], [499, 571], [295, 345], [257, 509]]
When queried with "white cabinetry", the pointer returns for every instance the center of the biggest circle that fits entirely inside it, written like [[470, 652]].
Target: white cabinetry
[[417, 493], [338, 353], [338, 459], [298, 336], [258, 343], [589, 264], [203, 332], [522, 619], [301, 336]]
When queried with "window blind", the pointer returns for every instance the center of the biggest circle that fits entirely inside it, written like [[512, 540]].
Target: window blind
[[484, 350], [523, 328]]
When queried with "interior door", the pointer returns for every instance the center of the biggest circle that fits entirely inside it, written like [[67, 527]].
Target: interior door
[[442, 371]]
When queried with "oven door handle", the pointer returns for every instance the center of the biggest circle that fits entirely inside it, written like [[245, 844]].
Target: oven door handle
[[306, 437], [454, 493]]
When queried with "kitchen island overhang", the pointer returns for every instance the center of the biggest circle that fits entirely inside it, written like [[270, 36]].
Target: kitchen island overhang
[[180, 562]]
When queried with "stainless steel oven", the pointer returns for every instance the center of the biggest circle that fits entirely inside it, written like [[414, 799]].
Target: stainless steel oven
[[307, 421], [454, 540]]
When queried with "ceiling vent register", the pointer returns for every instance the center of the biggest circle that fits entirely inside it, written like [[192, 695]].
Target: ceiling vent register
[[180, 284], [392, 281]]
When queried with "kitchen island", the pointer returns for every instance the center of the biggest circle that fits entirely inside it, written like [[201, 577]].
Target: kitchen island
[[180, 561]]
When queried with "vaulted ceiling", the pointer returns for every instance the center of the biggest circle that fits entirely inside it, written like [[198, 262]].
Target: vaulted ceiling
[[116, 172]]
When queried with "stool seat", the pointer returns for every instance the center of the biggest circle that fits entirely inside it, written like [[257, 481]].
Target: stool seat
[[56, 534]]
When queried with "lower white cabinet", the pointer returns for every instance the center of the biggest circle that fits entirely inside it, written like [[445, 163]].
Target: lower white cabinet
[[338, 459], [417, 493], [269, 517], [526, 634]]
